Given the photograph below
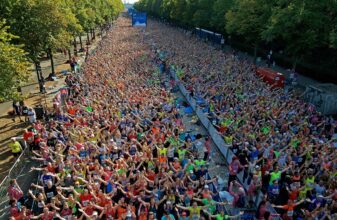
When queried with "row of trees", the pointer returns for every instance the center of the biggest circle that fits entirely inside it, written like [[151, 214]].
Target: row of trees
[[300, 28], [32, 28]]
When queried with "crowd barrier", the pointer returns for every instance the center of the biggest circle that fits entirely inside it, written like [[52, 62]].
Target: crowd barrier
[[217, 139], [13, 173]]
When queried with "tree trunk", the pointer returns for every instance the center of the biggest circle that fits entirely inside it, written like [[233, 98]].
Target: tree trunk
[[94, 34], [69, 55], [295, 64], [81, 42], [39, 76], [255, 52], [75, 47], [37, 69], [88, 38], [51, 61]]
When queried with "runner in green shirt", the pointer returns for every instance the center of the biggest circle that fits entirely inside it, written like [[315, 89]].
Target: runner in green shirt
[[199, 163], [223, 216], [210, 203], [189, 167], [181, 154], [276, 174]]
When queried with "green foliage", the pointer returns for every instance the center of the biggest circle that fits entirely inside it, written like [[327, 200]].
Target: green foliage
[[203, 13], [218, 18], [248, 18], [40, 25], [51, 24], [332, 13], [333, 38], [301, 24], [13, 65], [178, 13], [44, 26]]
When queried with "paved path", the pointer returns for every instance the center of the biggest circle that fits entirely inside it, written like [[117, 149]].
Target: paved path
[[32, 87]]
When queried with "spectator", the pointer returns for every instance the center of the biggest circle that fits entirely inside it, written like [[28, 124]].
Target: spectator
[[15, 147], [16, 111], [31, 115]]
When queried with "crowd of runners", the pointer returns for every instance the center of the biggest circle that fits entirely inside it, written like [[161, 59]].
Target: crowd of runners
[[116, 146], [282, 145]]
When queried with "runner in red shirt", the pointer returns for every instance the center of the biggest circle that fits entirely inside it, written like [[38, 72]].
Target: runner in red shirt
[[28, 136], [85, 198], [110, 211]]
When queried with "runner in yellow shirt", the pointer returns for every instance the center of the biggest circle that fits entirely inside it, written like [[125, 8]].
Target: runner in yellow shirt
[[194, 210], [15, 146]]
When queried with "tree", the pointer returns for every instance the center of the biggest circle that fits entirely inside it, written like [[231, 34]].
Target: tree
[[191, 8], [177, 14], [166, 8], [13, 65], [41, 27], [332, 12], [156, 7], [218, 18], [85, 16], [201, 17], [301, 24], [140, 5], [248, 18], [74, 27]]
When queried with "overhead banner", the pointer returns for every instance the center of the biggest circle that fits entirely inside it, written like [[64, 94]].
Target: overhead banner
[[139, 19]]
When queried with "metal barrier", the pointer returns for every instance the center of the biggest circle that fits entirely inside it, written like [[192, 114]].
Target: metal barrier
[[14, 172], [217, 139]]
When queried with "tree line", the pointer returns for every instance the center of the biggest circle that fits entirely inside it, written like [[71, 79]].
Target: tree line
[[30, 29], [303, 33]]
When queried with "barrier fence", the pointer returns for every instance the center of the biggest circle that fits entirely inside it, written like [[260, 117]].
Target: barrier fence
[[217, 139], [13, 173]]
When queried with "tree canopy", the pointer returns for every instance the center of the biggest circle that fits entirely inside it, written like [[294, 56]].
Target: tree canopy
[[45, 26], [13, 65]]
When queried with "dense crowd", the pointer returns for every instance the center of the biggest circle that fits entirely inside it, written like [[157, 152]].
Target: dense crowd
[[283, 146], [115, 145]]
